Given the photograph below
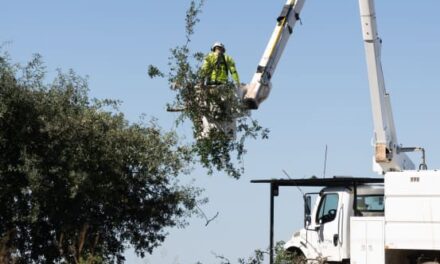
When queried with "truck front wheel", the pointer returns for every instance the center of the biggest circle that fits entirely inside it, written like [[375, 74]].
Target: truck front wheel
[[295, 256]]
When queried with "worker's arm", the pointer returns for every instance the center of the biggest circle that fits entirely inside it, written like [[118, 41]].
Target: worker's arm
[[233, 70]]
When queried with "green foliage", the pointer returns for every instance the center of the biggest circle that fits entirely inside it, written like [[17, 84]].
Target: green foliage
[[257, 258], [285, 257], [219, 105], [78, 183], [154, 72], [281, 256]]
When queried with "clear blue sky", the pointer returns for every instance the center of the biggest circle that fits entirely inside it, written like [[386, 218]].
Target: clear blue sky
[[320, 94]]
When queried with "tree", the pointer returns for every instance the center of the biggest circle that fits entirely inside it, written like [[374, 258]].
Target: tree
[[77, 181], [219, 105]]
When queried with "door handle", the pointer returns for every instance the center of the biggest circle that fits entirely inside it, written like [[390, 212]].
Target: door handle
[[335, 239]]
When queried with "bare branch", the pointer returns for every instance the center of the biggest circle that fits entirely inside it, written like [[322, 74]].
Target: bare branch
[[208, 220]]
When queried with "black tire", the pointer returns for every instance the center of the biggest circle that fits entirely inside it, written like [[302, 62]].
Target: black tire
[[297, 257]]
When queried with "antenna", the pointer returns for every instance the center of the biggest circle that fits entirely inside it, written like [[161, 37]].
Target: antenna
[[325, 162], [288, 176]]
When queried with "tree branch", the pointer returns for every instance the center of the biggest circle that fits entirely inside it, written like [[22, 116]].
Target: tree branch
[[208, 220]]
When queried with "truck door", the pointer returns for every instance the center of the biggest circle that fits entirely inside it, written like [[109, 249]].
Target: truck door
[[328, 232]]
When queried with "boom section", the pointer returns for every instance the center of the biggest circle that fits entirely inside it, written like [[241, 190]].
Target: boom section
[[388, 155], [259, 88]]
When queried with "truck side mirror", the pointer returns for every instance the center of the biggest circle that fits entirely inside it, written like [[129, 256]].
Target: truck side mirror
[[307, 210], [307, 221]]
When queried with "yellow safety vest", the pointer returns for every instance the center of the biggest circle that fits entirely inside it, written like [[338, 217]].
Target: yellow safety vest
[[217, 67]]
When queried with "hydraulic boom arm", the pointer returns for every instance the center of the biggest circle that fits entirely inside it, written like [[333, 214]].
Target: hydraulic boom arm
[[260, 86], [389, 155]]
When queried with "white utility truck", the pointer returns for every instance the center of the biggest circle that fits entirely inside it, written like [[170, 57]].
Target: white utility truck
[[361, 221], [372, 223]]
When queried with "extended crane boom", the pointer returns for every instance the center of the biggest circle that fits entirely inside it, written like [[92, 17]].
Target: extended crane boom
[[259, 88], [389, 155]]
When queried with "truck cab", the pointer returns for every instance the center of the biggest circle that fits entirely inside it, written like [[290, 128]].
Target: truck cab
[[326, 232]]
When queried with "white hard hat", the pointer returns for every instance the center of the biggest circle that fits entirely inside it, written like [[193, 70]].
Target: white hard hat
[[218, 44]]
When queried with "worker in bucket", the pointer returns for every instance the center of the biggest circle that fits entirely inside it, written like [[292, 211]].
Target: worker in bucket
[[215, 73], [217, 65]]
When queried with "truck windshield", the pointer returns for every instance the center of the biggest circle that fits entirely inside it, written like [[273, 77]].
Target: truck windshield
[[370, 203]]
